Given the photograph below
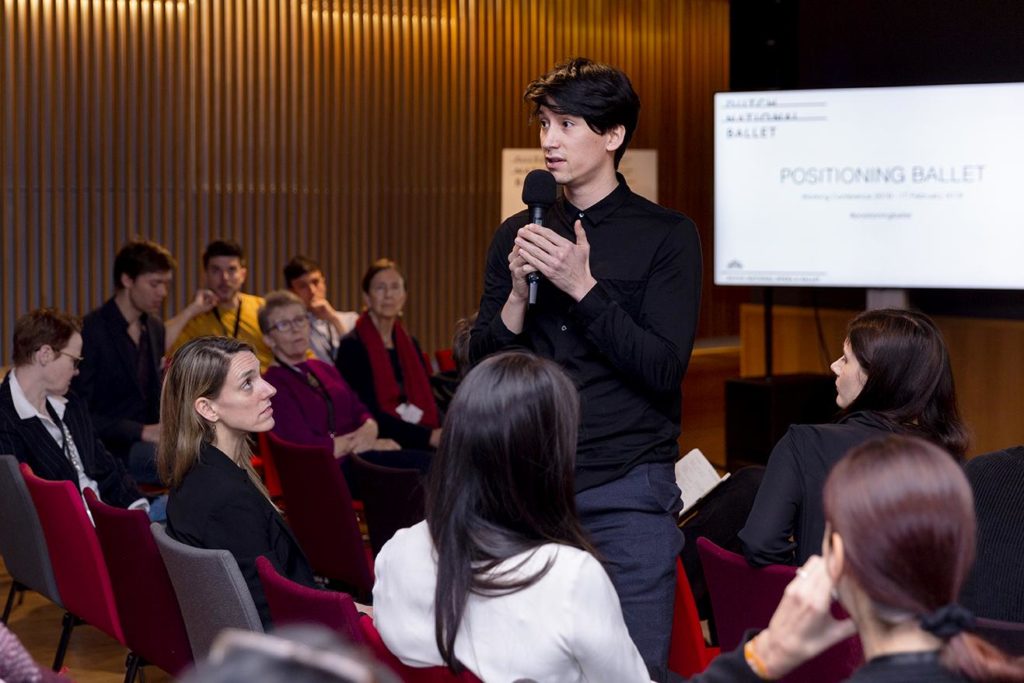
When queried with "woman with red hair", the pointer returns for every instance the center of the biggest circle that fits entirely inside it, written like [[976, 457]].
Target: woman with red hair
[[899, 543]]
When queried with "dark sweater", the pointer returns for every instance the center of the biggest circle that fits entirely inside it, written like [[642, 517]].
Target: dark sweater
[[906, 667], [787, 521], [995, 588]]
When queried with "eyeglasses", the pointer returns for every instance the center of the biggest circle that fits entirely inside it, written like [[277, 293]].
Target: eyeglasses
[[299, 323], [75, 360]]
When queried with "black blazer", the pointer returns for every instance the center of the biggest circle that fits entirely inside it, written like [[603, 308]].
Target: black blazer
[[353, 363], [218, 507], [109, 382], [30, 443]]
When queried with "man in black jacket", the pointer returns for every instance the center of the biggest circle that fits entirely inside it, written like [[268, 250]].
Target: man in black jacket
[[617, 308], [123, 348]]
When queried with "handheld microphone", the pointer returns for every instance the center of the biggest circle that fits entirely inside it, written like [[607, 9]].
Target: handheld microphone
[[539, 194]]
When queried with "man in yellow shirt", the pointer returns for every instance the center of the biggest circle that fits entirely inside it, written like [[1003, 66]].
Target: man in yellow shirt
[[221, 309]]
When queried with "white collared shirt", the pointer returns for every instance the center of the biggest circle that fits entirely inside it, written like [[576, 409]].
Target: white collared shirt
[[27, 411]]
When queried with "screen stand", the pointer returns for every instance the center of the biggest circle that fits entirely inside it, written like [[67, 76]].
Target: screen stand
[[887, 298], [769, 296]]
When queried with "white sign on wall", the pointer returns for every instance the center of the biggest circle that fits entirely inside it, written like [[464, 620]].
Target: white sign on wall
[[639, 166]]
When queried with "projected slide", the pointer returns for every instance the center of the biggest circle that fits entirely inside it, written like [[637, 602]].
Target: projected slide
[[872, 187]]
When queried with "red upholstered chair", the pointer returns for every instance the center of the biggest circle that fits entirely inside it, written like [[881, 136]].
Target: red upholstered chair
[[445, 360], [146, 603], [293, 603], [688, 654], [263, 461], [77, 559], [743, 598], [392, 499], [320, 513], [409, 674]]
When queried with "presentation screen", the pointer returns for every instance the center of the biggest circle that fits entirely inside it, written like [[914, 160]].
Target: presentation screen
[[871, 187]]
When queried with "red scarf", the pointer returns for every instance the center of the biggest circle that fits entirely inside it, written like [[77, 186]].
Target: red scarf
[[414, 375]]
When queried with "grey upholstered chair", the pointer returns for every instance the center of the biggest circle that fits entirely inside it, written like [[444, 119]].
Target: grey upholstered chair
[[210, 589], [22, 543]]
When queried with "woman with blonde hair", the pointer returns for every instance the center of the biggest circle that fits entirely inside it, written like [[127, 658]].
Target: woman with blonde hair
[[213, 398]]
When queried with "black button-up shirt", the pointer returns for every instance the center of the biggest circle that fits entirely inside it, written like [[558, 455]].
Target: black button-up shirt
[[627, 343]]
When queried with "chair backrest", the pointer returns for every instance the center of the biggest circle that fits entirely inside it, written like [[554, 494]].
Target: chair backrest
[[1008, 636], [320, 513], [445, 360], [22, 543], [688, 654], [293, 603], [743, 597], [146, 603], [210, 590], [392, 499], [270, 478], [409, 674], [78, 564]]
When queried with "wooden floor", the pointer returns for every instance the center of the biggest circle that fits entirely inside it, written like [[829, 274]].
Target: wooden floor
[[93, 656]]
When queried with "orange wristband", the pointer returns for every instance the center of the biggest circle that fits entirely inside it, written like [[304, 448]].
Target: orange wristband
[[755, 663]]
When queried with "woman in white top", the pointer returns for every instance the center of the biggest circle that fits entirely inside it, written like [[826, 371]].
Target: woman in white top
[[518, 591]]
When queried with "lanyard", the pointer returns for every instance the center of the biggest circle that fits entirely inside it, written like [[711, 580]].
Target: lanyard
[[316, 386], [238, 318]]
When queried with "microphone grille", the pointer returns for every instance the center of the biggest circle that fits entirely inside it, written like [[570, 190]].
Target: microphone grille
[[539, 188]]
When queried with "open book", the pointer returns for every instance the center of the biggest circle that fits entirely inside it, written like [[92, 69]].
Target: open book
[[696, 478]]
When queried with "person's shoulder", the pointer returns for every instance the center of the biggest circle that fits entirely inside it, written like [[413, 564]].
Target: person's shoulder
[[658, 214], [414, 541], [251, 298]]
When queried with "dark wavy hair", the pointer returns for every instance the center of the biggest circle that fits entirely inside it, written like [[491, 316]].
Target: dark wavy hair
[[501, 483], [600, 94], [905, 512], [909, 380]]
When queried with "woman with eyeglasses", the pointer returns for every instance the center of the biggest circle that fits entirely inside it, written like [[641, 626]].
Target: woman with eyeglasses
[[384, 363], [49, 428], [313, 404]]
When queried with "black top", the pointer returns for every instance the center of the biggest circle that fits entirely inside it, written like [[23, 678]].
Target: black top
[[627, 343], [30, 442], [353, 363], [218, 507], [995, 588], [120, 381], [905, 667], [787, 521]]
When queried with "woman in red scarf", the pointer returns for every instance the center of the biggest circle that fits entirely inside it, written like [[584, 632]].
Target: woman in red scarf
[[384, 364]]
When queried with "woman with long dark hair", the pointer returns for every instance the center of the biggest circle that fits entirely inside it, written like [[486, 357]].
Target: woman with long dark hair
[[899, 543], [893, 377], [500, 579]]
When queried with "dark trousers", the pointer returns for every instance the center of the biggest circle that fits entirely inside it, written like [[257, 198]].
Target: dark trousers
[[632, 523]]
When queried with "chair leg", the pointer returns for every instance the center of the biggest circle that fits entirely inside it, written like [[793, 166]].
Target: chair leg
[[15, 589], [133, 666], [68, 623]]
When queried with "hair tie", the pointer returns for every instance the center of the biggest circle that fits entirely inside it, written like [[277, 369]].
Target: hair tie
[[948, 621]]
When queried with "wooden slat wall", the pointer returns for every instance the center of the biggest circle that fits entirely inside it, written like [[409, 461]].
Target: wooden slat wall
[[344, 130]]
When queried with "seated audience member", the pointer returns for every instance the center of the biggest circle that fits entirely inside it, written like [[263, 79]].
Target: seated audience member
[[995, 588], [292, 654], [306, 280], [213, 398], [222, 309], [123, 346], [47, 426], [313, 406], [898, 543], [519, 594], [893, 376], [384, 364]]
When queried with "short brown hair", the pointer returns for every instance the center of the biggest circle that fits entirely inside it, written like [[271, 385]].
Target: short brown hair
[[42, 327], [140, 257], [282, 298]]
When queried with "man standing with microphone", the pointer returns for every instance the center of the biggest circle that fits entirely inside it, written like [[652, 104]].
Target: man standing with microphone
[[617, 307]]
